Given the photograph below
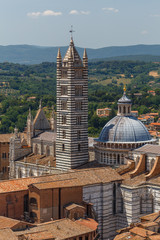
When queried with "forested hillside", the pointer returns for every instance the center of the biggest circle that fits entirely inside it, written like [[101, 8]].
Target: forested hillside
[[106, 79]]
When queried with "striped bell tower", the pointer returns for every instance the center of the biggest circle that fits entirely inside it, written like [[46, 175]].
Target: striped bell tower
[[72, 109]]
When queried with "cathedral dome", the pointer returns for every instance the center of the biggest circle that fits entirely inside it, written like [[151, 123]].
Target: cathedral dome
[[124, 129]]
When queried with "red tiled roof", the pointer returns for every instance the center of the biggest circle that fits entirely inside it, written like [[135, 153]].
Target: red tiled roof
[[74, 178], [89, 222]]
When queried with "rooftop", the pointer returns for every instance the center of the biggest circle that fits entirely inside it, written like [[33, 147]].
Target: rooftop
[[7, 234], [73, 178], [151, 217], [6, 137], [80, 178], [141, 232], [6, 222], [149, 148], [59, 229], [46, 136], [40, 160]]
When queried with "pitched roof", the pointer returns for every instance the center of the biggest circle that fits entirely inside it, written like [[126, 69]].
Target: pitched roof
[[73, 205], [149, 148], [6, 222], [7, 234], [89, 222], [151, 217], [40, 160], [81, 177], [141, 232], [60, 229], [40, 122], [6, 137], [46, 136]]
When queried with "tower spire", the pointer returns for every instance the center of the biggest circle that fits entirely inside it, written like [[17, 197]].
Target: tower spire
[[59, 54], [85, 54], [71, 32]]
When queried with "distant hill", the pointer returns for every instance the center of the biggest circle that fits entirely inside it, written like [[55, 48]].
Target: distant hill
[[140, 58], [29, 54]]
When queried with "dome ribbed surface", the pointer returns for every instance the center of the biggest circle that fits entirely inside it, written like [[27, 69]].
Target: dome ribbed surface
[[124, 129]]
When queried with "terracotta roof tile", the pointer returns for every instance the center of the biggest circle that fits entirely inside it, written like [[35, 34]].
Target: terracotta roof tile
[[40, 160], [89, 222], [7, 234], [141, 232], [73, 178], [60, 229]]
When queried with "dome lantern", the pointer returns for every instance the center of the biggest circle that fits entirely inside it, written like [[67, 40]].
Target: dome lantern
[[124, 105]]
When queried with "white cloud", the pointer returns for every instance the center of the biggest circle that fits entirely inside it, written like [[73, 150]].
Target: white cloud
[[51, 13], [34, 14], [45, 13], [85, 12], [73, 12], [155, 15], [76, 12], [115, 10], [144, 32]]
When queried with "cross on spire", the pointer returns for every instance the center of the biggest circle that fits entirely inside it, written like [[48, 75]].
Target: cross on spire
[[71, 31]]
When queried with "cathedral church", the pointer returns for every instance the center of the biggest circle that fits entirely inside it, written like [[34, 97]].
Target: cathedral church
[[61, 146]]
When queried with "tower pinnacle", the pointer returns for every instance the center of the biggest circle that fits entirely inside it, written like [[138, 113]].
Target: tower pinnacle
[[71, 32], [59, 54]]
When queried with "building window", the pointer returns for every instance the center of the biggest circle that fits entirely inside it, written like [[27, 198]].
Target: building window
[[64, 119], [114, 199], [78, 74], [78, 120], [63, 147], [47, 151], [4, 155], [64, 134], [33, 201], [78, 134], [79, 147], [78, 90], [141, 205], [64, 90], [121, 210], [78, 105], [36, 149], [64, 105], [64, 74]]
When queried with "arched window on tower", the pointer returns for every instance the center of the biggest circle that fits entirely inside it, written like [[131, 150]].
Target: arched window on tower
[[124, 109], [63, 147]]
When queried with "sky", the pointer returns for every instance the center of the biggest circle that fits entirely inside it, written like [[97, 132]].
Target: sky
[[97, 23]]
